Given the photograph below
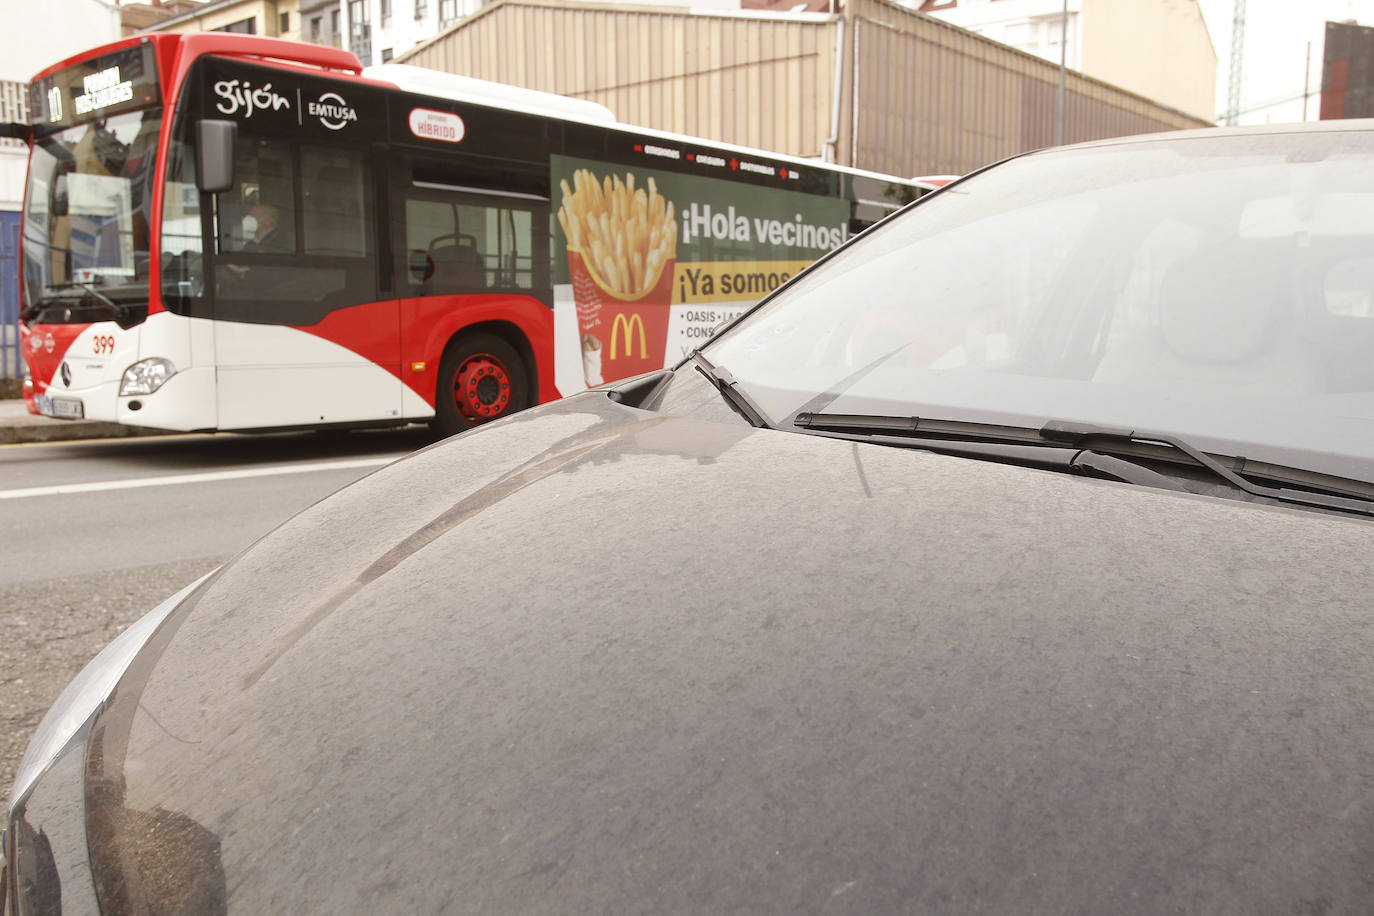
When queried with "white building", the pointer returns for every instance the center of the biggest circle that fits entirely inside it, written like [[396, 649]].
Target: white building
[[1160, 49], [1033, 26], [40, 35], [378, 30]]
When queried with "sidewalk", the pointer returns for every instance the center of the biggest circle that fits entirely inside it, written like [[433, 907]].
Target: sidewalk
[[18, 425]]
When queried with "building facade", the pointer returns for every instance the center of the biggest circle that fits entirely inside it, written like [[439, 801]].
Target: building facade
[[380, 30], [1347, 72], [1033, 26], [84, 24], [272, 18], [138, 16], [322, 22], [1160, 49]]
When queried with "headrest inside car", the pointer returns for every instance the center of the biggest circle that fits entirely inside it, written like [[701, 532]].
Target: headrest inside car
[[1220, 306]]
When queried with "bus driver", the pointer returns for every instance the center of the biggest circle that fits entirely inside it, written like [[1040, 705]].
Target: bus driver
[[260, 228]]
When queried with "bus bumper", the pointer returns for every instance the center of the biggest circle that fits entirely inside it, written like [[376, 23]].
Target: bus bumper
[[185, 402]]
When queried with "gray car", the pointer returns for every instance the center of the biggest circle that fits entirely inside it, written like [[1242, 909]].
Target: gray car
[[1018, 557]]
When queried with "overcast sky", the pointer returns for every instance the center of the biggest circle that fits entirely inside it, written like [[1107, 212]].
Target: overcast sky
[[1276, 37]]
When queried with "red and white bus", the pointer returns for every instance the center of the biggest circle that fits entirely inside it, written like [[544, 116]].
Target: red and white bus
[[234, 233]]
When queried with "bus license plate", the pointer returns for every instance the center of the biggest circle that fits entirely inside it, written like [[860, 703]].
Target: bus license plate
[[66, 408]]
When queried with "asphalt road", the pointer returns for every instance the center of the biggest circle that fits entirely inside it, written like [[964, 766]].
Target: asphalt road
[[96, 533]]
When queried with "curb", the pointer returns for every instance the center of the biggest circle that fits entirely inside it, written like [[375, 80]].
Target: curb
[[41, 429]]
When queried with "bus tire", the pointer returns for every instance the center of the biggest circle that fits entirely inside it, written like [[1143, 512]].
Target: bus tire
[[481, 378]]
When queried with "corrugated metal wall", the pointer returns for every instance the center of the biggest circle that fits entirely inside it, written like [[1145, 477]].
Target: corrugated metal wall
[[931, 98], [937, 99], [741, 80]]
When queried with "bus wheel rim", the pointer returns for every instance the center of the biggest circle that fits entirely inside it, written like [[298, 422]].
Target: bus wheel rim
[[482, 387]]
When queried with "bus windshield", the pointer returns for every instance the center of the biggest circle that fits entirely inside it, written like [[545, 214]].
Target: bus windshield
[[87, 213]]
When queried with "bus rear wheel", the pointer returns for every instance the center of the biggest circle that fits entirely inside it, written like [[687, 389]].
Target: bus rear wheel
[[481, 378]]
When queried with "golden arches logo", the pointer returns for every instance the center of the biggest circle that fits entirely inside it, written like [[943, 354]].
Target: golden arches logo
[[629, 324]]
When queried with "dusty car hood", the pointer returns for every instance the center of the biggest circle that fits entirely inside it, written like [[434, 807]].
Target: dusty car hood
[[595, 659]]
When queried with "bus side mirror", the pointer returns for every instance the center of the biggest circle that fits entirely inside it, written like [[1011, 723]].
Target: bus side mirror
[[16, 131], [215, 155]]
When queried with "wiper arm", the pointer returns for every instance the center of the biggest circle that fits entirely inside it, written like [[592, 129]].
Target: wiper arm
[[728, 387], [1086, 441], [1081, 434], [122, 311], [1017, 445]]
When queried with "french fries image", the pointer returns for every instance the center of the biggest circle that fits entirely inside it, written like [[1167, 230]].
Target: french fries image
[[626, 234]]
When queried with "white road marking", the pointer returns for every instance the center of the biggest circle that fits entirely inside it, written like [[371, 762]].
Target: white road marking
[[208, 477]]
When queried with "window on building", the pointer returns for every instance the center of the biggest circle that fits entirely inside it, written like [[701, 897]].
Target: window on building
[[386, 13], [316, 24], [1020, 35], [285, 25], [333, 22], [247, 26], [386, 55], [421, 8], [448, 11]]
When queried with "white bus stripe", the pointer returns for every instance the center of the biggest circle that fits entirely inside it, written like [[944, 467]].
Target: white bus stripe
[[209, 477]]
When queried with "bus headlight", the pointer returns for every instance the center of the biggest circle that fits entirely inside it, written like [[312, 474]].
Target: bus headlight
[[146, 376]]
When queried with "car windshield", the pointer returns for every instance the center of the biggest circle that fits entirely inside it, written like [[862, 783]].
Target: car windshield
[[1216, 288], [89, 206]]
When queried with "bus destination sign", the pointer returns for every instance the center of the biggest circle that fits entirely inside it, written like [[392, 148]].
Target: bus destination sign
[[109, 84]]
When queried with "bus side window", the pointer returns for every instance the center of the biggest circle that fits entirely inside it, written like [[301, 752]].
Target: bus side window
[[517, 251], [461, 244], [333, 209], [439, 259], [259, 214], [183, 271], [293, 236]]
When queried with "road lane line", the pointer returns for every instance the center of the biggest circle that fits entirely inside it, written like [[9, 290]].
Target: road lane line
[[208, 477]]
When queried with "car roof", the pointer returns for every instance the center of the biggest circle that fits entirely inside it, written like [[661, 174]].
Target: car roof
[[1353, 125]]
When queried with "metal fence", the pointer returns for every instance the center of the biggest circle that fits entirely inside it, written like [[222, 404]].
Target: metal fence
[[11, 366], [13, 107]]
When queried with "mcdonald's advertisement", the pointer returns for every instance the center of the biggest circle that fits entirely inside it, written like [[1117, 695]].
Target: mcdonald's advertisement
[[647, 263]]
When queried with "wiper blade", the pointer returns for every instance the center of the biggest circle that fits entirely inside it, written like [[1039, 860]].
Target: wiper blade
[[728, 387], [918, 426], [1091, 447], [121, 311], [1016, 445], [1081, 434]]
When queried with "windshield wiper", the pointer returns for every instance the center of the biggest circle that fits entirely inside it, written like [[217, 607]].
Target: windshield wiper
[[1081, 447], [1329, 497], [122, 312], [728, 387]]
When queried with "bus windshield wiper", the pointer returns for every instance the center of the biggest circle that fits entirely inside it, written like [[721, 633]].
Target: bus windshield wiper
[[729, 389], [1086, 447], [121, 312]]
